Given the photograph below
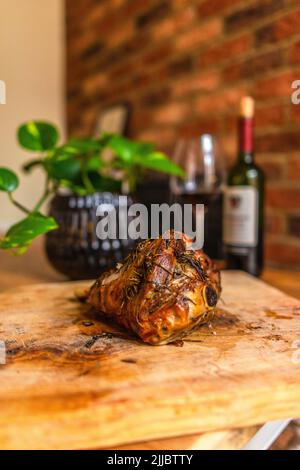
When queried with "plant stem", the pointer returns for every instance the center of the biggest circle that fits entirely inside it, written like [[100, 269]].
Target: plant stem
[[86, 180], [41, 201], [132, 179], [18, 205], [44, 197]]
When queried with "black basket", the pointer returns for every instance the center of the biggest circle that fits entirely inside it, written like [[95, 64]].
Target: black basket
[[74, 248]]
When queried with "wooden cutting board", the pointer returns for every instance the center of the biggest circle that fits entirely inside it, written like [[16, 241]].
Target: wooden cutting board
[[72, 381]]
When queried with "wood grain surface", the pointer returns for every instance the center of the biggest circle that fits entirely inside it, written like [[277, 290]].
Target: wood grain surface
[[72, 381]]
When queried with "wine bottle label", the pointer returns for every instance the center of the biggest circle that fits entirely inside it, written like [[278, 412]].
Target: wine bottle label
[[240, 222]]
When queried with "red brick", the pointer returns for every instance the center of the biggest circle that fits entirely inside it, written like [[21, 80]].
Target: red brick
[[107, 24], [195, 127], [274, 223], [82, 42], [294, 225], [283, 253], [277, 86], [103, 10], [283, 198], [249, 14], [155, 97], [140, 81], [154, 13], [273, 115], [157, 55], [181, 66], [295, 113], [230, 124], [172, 113], [182, 4], [117, 3], [273, 170], [280, 29], [233, 73], [222, 102], [173, 24], [278, 142], [215, 7], [201, 82], [91, 15], [89, 119], [140, 121], [229, 147], [163, 137], [173, 74], [294, 168], [119, 72], [227, 50], [92, 84], [199, 35], [254, 66], [121, 34], [126, 52], [294, 53], [134, 7], [82, 7]]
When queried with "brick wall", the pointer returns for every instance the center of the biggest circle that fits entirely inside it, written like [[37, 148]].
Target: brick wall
[[183, 65]]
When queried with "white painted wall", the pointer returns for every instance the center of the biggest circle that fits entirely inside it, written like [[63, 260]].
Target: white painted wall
[[32, 57]]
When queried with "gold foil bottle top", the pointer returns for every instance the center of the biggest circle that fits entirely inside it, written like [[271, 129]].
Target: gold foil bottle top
[[247, 107]]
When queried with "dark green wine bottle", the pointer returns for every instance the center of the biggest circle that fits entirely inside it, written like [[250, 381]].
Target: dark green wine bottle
[[243, 217]]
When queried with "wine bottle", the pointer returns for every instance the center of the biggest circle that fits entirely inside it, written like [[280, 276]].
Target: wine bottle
[[244, 202]]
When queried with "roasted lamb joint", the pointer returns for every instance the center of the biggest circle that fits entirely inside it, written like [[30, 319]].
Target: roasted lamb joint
[[161, 292]]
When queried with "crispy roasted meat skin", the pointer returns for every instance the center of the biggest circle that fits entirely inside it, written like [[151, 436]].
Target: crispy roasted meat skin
[[161, 292]]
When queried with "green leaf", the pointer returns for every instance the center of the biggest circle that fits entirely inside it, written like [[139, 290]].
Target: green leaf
[[67, 161], [104, 183], [100, 184], [37, 136], [66, 150], [75, 188], [63, 167], [32, 164], [105, 138], [160, 162], [83, 145], [20, 235], [76, 147], [144, 148], [123, 148], [142, 154], [127, 149], [8, 180], [94, 163]]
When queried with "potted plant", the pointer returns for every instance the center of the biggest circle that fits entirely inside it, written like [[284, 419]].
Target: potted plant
[[79, 174]]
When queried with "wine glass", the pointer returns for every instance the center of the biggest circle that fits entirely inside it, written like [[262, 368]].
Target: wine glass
[[203, 162], [205, 170]]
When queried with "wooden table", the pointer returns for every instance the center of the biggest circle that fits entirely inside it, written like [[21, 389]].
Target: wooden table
[[33, 268]]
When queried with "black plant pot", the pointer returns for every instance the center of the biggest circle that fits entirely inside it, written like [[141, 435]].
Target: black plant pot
[[74, 248]]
